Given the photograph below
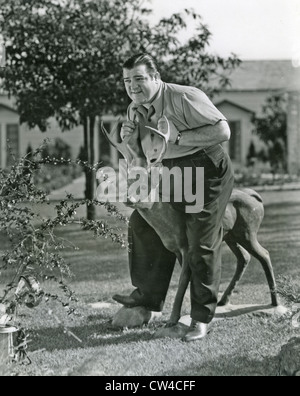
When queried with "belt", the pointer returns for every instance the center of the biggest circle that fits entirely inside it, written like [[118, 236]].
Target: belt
[[209, 150]]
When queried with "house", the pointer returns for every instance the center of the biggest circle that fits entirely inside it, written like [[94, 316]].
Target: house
[[251, 84], [16, 138]]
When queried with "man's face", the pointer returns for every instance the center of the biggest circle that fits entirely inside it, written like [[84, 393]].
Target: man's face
[[140, 86]]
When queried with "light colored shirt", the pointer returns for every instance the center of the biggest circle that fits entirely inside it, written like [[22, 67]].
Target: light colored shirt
[[187, 107]]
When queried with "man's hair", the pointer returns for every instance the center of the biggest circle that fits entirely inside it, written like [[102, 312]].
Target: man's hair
[[142, 59]]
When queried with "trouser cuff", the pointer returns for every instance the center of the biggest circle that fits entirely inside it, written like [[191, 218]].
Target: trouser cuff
[[147, 301]]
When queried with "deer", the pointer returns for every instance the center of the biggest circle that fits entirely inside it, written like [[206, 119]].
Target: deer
[[241, 223]]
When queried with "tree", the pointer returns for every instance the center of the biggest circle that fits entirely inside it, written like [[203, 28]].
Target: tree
[[64, 59], [271, 127], [251, 155]]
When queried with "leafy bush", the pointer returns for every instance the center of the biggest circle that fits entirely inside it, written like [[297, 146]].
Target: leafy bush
[[60, 149], [289, 288], [33, 251], [53, 176], [271, 127], [260, 174]]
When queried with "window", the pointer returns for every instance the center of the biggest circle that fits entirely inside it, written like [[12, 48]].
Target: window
[[235, 142], [12, 136]]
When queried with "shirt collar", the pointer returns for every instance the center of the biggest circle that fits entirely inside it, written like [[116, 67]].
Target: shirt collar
[[157, 102]]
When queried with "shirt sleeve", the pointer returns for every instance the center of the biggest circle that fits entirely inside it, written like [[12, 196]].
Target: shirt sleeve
[[198, 110]]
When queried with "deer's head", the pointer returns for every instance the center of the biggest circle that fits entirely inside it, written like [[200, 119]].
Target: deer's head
[[137, 182]]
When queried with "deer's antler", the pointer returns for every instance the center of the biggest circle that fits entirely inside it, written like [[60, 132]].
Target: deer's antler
[[128, 150], [165, 137], [113, 139]]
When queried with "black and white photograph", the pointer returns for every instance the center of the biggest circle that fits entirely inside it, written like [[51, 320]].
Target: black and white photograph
[[149, 190]]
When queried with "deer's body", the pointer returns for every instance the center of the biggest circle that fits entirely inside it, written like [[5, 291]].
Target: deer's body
[[241, 222]]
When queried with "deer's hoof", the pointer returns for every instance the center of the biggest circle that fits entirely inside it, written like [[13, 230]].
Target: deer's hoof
[[223, 303], [275, 302]]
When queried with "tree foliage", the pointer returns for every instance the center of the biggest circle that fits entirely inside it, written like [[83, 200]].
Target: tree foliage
[[271, 127], [64, 58]]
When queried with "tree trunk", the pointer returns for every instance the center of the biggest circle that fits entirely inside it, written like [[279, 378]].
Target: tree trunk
[[86, 155], [91, 176], [89, 138]]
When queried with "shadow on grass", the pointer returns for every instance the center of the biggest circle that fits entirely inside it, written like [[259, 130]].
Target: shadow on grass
[[95, 334], [237, 366], [238, 311], [92, 335]]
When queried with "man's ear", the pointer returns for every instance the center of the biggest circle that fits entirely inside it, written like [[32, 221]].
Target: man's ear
[[157, 77]]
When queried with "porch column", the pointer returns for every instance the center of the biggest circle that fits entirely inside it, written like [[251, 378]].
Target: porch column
[[293, 121]]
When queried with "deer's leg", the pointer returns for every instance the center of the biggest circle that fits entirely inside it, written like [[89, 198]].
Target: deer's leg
[[252, 245], [184, 281], [243, 259]]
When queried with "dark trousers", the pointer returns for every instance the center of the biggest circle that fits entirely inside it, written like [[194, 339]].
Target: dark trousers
[[151, 264]]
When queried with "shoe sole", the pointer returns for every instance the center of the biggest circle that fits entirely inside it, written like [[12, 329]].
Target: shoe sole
[[119, 301], [197, 339], [135, 305]]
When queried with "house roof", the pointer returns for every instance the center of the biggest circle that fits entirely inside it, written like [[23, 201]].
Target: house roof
[[6, 107], [265, 75], [239, 106]]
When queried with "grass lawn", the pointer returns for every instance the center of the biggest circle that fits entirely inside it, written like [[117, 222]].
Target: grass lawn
[[244, 345]]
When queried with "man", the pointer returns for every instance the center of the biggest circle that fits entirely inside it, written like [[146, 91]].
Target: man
[[197, 129]]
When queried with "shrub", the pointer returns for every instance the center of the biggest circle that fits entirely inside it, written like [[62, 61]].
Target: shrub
[[260, 174], [52, 177], [271, 127], [289, 289], [57, 174], [34, 251]]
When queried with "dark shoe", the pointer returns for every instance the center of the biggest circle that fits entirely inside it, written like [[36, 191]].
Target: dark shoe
[[197, 331], [128, 301]]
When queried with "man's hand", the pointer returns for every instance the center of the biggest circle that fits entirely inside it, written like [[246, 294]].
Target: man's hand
[[162, 126], [129, 129]]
